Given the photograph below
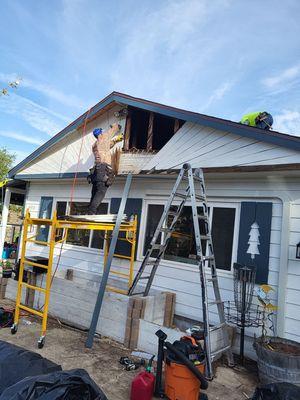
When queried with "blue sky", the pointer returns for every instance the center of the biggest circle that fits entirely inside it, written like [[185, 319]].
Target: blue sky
[[219, 57]]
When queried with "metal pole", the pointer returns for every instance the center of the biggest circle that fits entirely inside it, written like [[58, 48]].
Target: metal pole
[[158, 391], [243, 312], [106, 270]]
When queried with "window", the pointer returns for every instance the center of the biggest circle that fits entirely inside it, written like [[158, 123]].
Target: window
[[61, 211], [81, 237], [154, 215], [222, 234], [133, 207], [97, 241], [181, 246], [45, 213]]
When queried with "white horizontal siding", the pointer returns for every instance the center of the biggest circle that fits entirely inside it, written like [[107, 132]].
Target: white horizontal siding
[[292, 310], [205, 147], [180, 278]]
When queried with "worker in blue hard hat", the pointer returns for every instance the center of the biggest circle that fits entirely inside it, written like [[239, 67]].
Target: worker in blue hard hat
[[102, 175], [259, 119]]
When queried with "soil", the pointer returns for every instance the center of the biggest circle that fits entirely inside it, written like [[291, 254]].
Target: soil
[[290, 349], [66, 347]]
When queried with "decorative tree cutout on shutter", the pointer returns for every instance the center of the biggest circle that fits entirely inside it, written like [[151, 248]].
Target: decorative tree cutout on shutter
[[254, 237], [254, 240]]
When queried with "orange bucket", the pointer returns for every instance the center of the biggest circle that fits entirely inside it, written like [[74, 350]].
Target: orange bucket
[[181, 383]]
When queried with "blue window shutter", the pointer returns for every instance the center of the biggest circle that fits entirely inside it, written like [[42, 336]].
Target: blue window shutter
[[261, 213], [133, 206]]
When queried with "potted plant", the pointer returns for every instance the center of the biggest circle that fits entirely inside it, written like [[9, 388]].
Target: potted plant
[[278, 359], [6, 269]]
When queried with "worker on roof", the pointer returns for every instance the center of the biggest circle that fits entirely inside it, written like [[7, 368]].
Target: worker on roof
[[102, 175], [260, 119]]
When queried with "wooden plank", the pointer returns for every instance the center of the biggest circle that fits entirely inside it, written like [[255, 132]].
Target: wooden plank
[[127, 131], [176, 125], [150, 132]]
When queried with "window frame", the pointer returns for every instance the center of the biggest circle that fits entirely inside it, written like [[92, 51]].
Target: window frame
[[74, 246], [47, 228], [215, 202]]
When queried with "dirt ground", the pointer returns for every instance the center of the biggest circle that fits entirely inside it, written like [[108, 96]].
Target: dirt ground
[[67, 347]]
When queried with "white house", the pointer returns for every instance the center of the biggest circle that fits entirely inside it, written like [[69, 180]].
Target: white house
[[252, 177]]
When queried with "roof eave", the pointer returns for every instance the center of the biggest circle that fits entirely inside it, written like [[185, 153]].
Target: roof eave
[[276, 138], [62, 134]]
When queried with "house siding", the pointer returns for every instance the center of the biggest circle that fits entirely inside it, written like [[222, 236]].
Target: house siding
[[199, 145], [292, 306], [178, 277]]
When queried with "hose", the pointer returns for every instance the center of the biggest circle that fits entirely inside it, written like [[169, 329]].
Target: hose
[[188, 364]]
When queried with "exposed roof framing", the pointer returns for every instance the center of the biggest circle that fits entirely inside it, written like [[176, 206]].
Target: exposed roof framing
[[277, 138]]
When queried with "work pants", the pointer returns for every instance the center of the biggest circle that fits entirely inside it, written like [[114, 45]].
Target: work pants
[[101, 179]]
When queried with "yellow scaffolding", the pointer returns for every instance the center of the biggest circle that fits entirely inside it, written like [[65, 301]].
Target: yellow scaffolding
[[55, 226]]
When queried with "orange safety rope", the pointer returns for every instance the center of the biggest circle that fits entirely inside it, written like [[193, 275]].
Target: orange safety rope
[[78, 161], [71, 194]]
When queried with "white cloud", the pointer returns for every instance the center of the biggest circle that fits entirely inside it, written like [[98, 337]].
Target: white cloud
[[47, 90], [287, 122], [40, 118], [165, 50], [218, 94], [21, 137], [283, 78]]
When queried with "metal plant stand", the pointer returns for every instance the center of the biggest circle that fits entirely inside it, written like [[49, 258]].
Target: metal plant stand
[[241, 312]]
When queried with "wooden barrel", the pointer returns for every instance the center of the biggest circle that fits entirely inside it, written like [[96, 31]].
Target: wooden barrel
[[278, 360]]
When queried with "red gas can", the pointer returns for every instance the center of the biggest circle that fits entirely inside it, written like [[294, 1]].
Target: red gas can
[[142, 386]]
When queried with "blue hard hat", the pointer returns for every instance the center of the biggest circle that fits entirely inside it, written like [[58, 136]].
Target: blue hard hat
[[97, 132]]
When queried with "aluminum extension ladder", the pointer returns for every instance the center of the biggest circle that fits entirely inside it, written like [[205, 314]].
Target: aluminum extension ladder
[[166, 226]]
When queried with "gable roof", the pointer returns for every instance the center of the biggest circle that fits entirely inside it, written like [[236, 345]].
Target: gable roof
[[275, 138], [211, 148]]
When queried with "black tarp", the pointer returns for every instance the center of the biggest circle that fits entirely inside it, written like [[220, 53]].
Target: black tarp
[[17, 363], [277, 391], [62, 385]]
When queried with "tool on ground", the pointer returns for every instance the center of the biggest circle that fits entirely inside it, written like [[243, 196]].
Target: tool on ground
[[189, 186], [130, 365], [184, 368], [142, 386]]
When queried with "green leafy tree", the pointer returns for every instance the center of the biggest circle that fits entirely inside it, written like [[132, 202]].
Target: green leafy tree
[[6, 162]]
